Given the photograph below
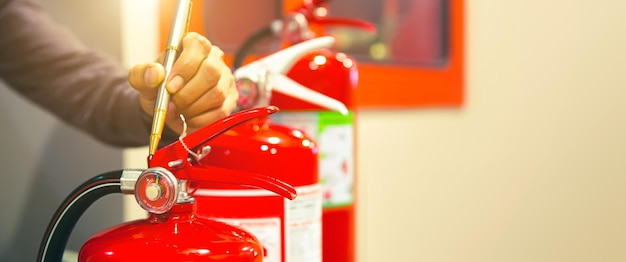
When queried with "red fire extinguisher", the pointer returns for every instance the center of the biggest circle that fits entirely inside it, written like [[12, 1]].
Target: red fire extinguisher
[[173, 231], [333, 74], [288, 230]]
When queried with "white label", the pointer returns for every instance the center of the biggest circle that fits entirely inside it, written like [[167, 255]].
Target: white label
[[303, 219], [303, 224], [336, 164], [334, 134], [266, 230]]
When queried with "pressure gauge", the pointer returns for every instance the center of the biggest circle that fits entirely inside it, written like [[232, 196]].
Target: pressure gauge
[[156, 190], [249, 94], [253, 91]]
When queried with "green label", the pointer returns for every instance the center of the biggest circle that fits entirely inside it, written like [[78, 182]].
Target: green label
[[334, 135], [335, 139]]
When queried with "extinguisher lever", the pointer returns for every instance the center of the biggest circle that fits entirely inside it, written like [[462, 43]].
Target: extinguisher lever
[[269, 75], [220, 175], [180, 150], [202, 136], [175, 157], [288, 86], [280, 62]]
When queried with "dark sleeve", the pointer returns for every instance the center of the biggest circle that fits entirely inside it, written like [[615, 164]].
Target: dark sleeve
[[46, 64]]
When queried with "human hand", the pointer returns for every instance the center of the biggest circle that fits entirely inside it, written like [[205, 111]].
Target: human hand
[[201, 85]]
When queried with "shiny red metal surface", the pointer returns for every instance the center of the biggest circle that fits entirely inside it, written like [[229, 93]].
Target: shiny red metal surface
[[178, 235], [335, 75], [325, 71], [262, 147], [176, 157]]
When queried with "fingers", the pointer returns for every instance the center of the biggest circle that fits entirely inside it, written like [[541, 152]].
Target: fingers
[[222, 97], [215, 104], [218, 102], [204, 118], [214, 114], [195, 48], [201, 85], [195, 73]]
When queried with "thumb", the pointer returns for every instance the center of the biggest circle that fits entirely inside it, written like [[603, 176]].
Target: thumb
[[146, 77]]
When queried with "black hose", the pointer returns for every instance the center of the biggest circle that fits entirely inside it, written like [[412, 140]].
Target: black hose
[[249, 44], [63, 222]]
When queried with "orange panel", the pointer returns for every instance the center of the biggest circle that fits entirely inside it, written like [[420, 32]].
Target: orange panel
[[166, 12], [396, 86], [289, 5]]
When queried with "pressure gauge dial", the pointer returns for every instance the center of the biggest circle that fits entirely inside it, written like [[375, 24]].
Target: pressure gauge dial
[[156, 190], [249, 94]]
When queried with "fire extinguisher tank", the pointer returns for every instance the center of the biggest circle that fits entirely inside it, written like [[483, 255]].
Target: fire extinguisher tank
[[288, 230], [335, 75], [175, 236], [263, 147], [174, 230], [324, 71]]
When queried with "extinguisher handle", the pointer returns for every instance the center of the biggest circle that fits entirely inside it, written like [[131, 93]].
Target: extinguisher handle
[[175, 157], [179, 150], [280, 62], [220, 175], [209, 132], [288, 86]]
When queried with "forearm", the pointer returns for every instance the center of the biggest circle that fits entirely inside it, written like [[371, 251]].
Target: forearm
[[46, 64]]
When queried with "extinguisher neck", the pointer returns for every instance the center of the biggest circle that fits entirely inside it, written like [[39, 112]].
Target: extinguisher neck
[[188, 208], [179, 212], [185, 205], [183, 192]]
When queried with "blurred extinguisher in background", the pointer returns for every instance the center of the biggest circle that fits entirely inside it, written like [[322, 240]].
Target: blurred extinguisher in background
[[288, 230], [335, 75]]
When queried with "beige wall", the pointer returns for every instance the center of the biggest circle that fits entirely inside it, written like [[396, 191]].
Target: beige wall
[[531, 168]]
